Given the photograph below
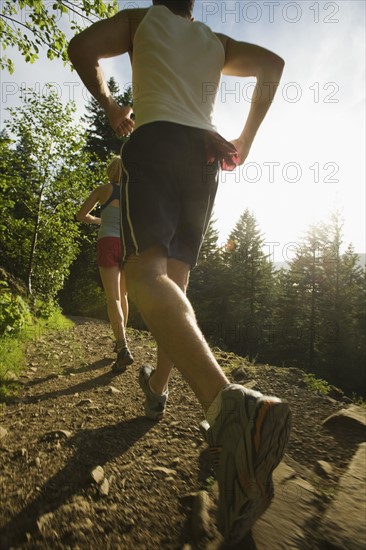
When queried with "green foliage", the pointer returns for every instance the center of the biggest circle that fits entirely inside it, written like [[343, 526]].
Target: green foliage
[[40, 190], [54, 321], [316, 384], [83, 296], [14, 312], [30, 25], [358, 400], [11, 363], [45, 310], [12, 347]]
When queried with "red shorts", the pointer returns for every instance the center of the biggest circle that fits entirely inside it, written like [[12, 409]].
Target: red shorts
[[109, 252]]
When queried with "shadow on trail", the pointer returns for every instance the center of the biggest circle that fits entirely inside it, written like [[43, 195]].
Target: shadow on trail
[[100, 364], [87, 385], [248, 543], [93, 448], [81, 320]]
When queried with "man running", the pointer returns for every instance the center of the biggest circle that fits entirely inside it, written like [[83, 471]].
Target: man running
[[170, 167]]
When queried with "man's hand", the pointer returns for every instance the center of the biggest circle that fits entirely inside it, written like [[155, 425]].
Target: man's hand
[[243, 148], [120, 120]]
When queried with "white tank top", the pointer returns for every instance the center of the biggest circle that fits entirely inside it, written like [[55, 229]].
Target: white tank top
[[176, 70]]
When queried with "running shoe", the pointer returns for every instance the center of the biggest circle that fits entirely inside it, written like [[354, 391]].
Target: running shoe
[[247, 442], [124, 358], [154, 404]]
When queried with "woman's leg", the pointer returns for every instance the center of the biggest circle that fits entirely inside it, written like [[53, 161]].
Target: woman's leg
[[123, 296], [111, 283]]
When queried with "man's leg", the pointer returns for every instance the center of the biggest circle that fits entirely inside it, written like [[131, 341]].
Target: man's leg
[[171, 319], [178, 272], [248, 432]]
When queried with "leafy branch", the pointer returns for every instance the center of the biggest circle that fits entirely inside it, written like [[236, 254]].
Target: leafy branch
[[43, 26]]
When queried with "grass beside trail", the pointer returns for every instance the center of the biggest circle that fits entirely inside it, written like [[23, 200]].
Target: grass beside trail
[[12, 350]]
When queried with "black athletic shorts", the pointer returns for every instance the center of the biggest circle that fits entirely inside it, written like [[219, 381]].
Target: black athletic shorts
[[168, 190]]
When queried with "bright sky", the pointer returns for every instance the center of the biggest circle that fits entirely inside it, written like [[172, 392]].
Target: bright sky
[[308, 157]]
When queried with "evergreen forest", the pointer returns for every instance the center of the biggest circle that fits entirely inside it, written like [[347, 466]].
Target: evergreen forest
[[309, 315]]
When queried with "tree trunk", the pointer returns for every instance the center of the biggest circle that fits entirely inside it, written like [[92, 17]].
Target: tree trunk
[[312, 314], [34, 244]]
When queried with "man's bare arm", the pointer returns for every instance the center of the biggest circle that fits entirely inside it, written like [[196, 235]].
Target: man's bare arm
[[107, 38], [248, 60]]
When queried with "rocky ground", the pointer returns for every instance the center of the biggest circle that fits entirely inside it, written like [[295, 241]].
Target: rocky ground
[[82, 468]]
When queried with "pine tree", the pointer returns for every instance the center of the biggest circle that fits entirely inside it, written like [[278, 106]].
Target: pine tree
[[298, 319], [207, 290], [320, 316], [101, 139], [210, 242], [288, 334], [250, 280], [346, 358]]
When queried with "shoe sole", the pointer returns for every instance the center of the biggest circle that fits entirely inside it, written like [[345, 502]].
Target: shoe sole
[[126, 362], [268, 432], [121, 366]]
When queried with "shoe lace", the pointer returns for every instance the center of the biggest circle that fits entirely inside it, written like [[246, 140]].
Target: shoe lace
[[215, 453]]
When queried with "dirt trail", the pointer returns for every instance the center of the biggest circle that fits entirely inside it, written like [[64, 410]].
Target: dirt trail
[[82, 468]]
